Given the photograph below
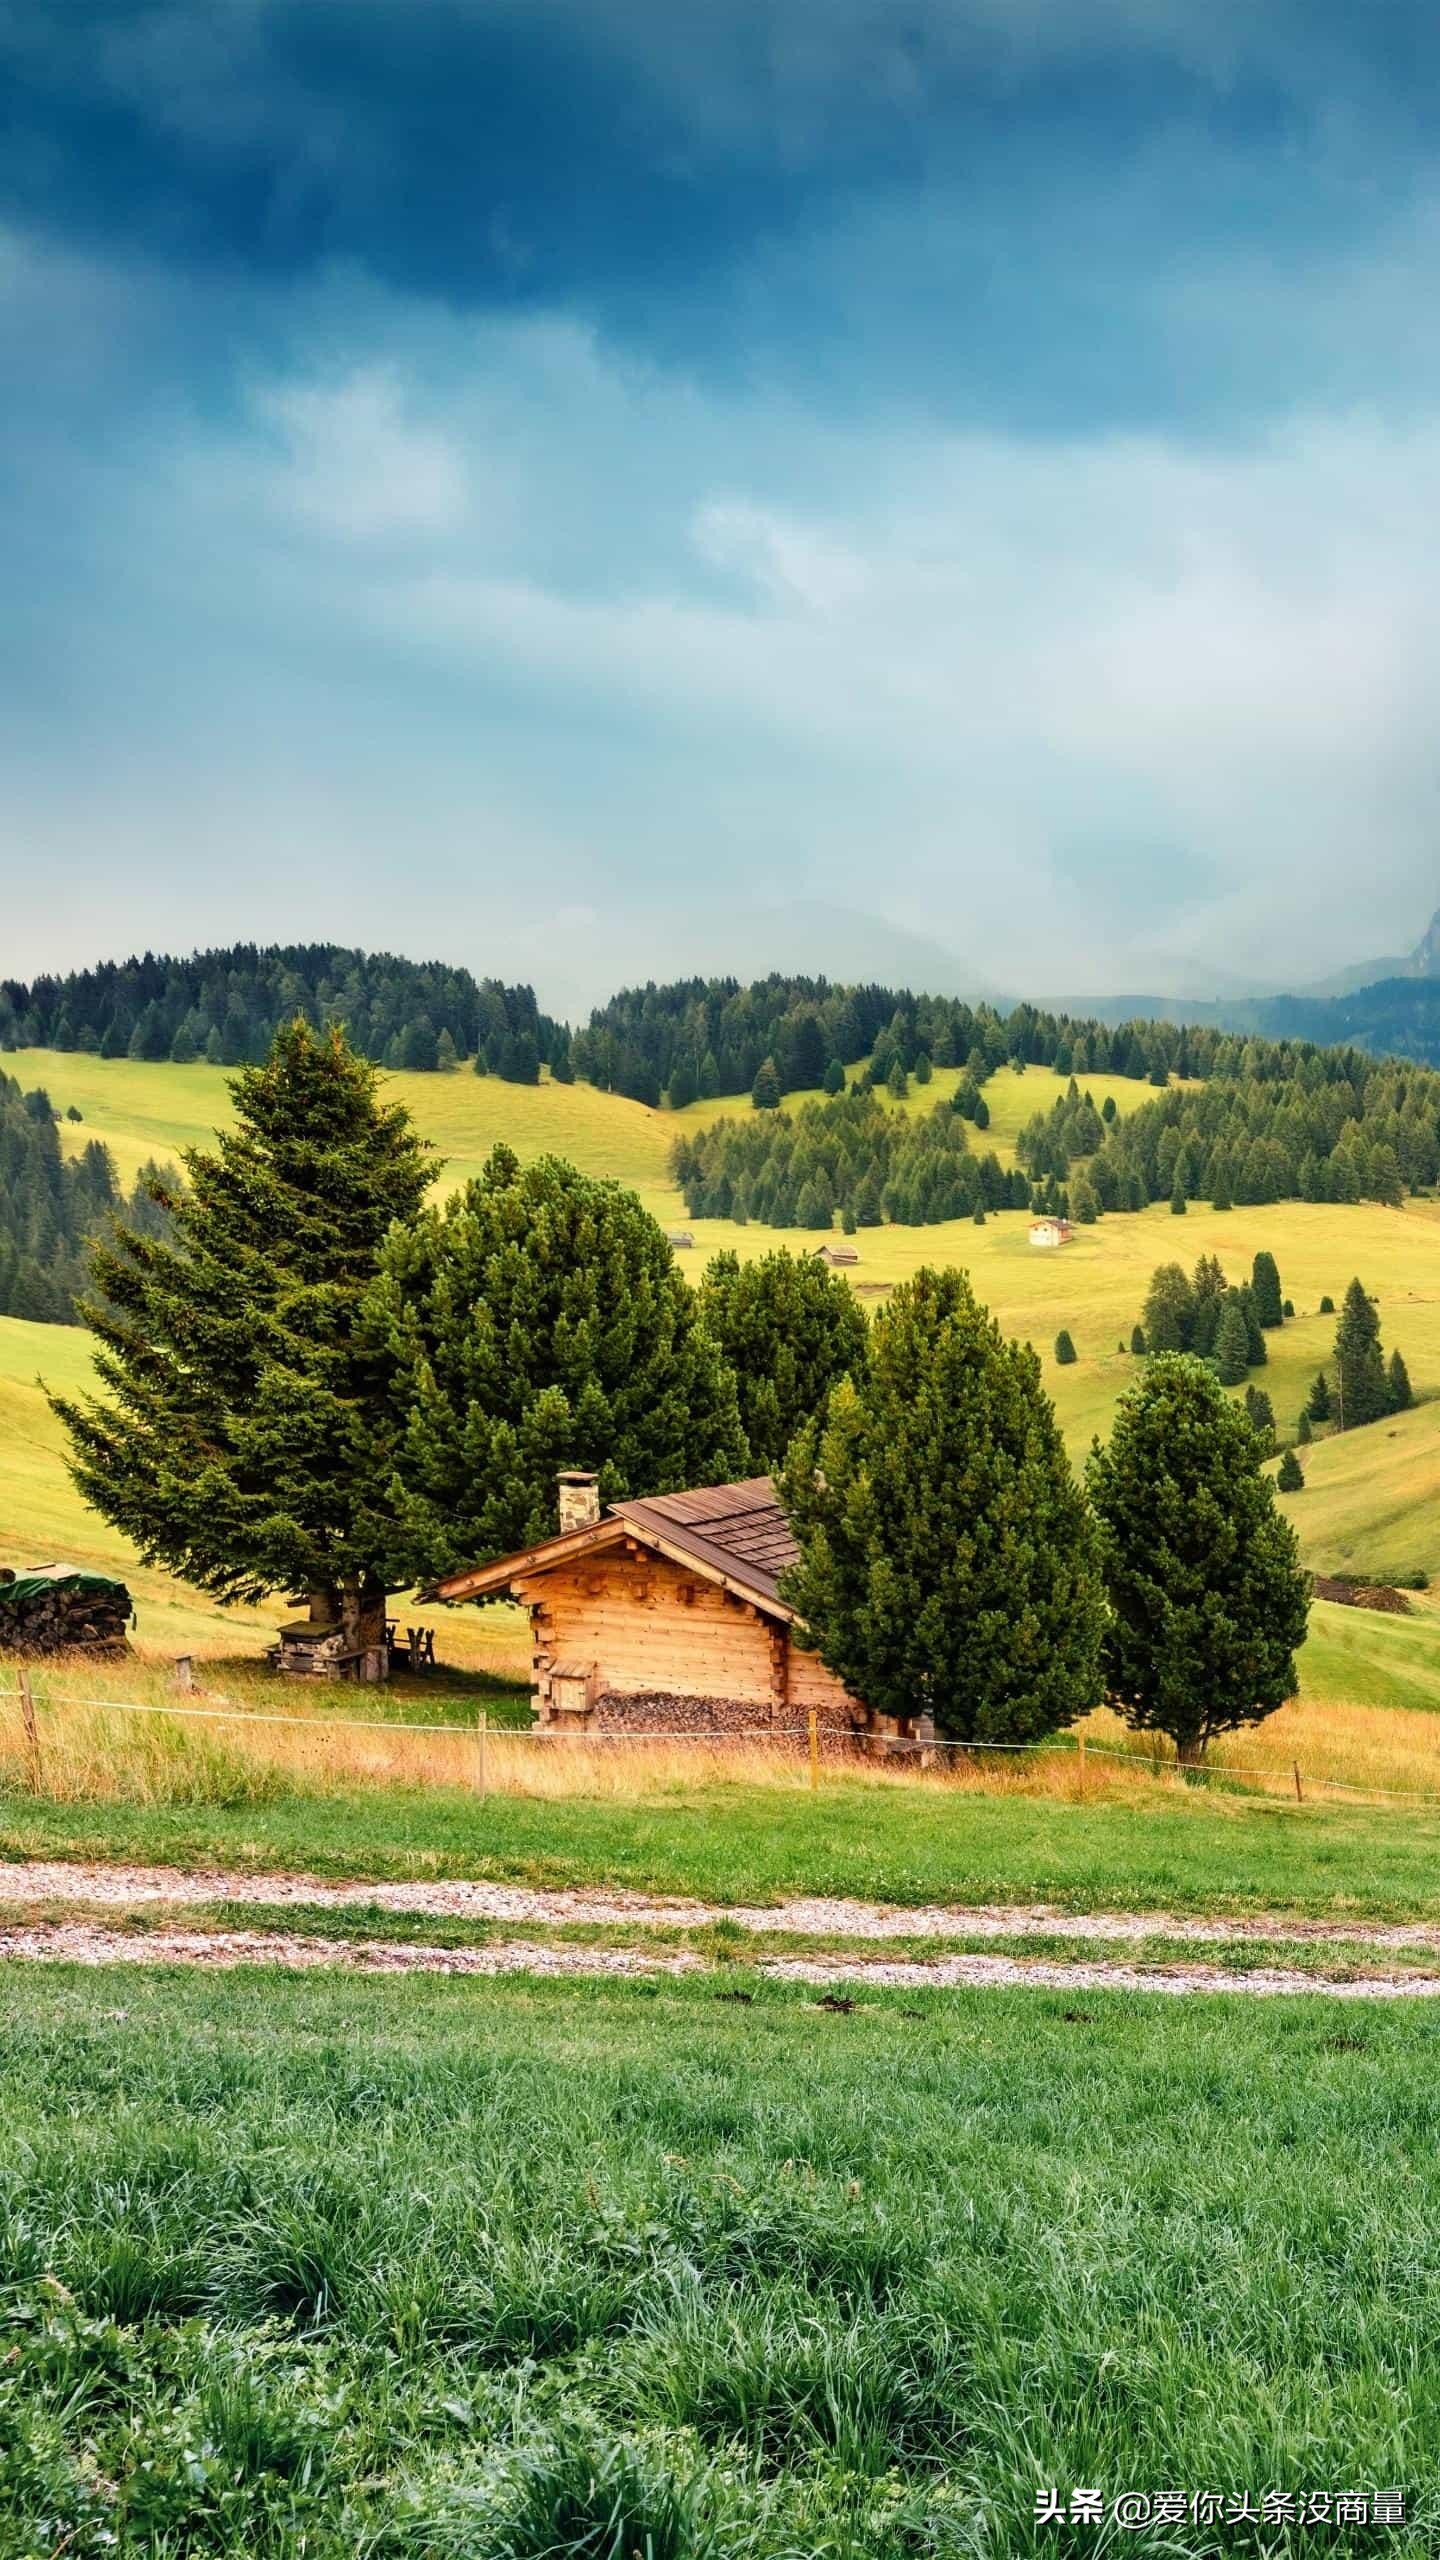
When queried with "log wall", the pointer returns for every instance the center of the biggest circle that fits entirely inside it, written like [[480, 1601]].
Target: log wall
[[666, 1649]]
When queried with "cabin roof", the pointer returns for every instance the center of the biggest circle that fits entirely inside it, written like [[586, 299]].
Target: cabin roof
[[734, 1534]]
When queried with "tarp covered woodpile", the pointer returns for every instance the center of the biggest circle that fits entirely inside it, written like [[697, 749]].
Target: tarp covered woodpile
[[49, 1608]]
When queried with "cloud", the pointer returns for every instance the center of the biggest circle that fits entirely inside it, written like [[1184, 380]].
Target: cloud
[[353, 463]]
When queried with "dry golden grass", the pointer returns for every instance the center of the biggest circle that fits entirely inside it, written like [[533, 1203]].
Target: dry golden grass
[[123, 1731]]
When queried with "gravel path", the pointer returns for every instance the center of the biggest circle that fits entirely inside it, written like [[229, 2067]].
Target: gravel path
[[91, 1943], [129, 1888]]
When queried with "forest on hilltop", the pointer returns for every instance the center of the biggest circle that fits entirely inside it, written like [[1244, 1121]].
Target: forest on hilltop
[[226, 1006]]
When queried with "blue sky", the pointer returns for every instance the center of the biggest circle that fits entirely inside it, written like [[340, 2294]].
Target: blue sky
[[604, 489]]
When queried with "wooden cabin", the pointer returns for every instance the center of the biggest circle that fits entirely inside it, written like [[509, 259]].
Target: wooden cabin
[[680, 1240], [666, 1614], [837, 1255]]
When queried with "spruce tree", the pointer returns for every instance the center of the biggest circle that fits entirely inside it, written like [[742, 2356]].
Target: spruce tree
[[1137, 1341], [1303, 1430], [1262, 1417], [240, 1434], [1319, 1406], [834, 1077], [790, 1329], [1265, 1281], [1232, 1348], [1363, 1394], [1208, 1602], [765, 1091], [946, 1556], [1179, 1205], [537, 1321], [1397, 1378], [1169, 1309], [1290, 1475], [1064, 1350]]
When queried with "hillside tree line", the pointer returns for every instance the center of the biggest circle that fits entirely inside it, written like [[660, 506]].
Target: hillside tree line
[[52, 1205], [227, 1005]]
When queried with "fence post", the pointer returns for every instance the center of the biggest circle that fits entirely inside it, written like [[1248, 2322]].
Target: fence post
[[1298, 1796], [480, 1726], [32, 1730], [184, 1671], [814, 1748], [1080, 1747]]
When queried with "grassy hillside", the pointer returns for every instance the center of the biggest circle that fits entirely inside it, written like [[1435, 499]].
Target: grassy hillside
[[1370, 1502]]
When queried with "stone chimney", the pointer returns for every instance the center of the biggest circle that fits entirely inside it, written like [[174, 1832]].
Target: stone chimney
[[579, 1499]]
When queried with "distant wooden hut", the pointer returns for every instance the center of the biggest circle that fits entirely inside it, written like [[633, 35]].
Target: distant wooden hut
[[837, 1255], [680, 1239]]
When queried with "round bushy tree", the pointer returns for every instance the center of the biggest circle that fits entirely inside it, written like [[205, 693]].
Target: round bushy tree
[[537, 1321], [241, 1441], [790, 1330], [946, 1555], [1208, 1602]]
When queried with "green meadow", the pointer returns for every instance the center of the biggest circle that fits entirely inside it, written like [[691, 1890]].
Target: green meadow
[[1371, 1501], [687, 2272]]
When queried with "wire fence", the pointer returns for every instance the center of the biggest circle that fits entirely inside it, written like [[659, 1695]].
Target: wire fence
[[819, 1740]]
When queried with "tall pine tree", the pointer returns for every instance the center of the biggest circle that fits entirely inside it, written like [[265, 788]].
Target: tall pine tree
[[946, 1556], [238, 1438]]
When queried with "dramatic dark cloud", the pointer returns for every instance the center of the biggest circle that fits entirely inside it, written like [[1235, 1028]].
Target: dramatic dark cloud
[[597, 479]]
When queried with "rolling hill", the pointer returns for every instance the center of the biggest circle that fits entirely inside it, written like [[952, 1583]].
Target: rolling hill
[[1370, 1503]]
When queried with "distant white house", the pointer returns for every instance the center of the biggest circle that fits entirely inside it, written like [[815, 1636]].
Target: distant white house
[[1050, 1231]]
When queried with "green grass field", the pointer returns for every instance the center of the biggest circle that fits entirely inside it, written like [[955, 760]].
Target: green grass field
[[1371, 1502], [545, 2272]]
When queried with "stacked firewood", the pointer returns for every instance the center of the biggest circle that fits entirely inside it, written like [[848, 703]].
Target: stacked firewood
[[53, 1608]]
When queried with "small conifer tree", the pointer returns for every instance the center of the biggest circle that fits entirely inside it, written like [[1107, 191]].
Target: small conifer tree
[[765, 1091], [1265, 1282], [1064, 1350], [1232, 1348], [1319, 1406], [1363, 1392], [834, 1077], [1397, 1378], [1290, 1475], [1304, 1430], [1137, 1341]]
